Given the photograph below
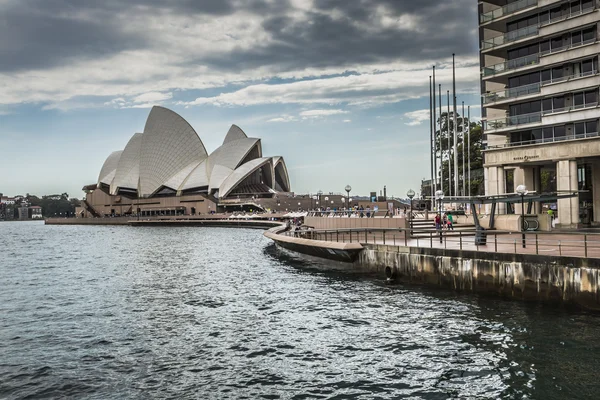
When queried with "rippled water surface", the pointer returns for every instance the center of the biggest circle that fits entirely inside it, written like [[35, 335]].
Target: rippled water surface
[[122, 312]]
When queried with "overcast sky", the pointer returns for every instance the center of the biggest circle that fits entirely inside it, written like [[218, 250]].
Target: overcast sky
[[339, 88]]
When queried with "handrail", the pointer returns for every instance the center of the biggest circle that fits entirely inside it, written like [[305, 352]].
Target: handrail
[[531, 118], [505, 10], [558, 243], [524, 90], [510, 36], [530, 59], [530, 30], [545, 140]]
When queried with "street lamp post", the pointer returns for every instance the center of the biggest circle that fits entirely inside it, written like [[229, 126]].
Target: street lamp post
[[439, 196], [522, 190], [320, 193], [410, 194], [348, 188]]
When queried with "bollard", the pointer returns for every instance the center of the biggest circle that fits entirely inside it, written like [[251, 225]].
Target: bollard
[[559, 249], [460, 239], [383, 237], [405, 239], [431, 239], [496, 242], [585, 245], [337, 236], [536, 244], [515, 246]]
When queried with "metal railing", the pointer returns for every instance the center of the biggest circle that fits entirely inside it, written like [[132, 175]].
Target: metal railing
[[506, 10], [549, 243], [379, 213], [510, 37], [569, 15], [531, 59], [532, 88], [512, 121], [545, 140], [531, 30]]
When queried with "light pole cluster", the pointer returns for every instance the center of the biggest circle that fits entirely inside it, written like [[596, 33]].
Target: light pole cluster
[[522, 191], [410, 194]]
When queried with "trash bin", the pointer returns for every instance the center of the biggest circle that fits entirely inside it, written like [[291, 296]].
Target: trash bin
[[480, 237]]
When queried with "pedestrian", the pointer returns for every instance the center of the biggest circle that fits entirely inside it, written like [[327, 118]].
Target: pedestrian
[[450, 222], [438, 222], [445, 221]]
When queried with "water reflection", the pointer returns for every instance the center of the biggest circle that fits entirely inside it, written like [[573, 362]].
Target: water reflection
[[125, 312]]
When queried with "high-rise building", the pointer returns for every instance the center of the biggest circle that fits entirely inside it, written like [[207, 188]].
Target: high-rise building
[[539, 83]]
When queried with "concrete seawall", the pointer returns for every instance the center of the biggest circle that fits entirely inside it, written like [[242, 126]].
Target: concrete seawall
[[524, 277]]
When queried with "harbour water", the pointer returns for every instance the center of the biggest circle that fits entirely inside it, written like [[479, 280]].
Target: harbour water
[[161, 312]]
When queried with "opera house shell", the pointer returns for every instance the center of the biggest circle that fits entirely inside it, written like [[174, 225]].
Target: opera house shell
[[168, 159]]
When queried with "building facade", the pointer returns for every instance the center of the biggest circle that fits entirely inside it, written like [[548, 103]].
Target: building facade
[[539, 84]]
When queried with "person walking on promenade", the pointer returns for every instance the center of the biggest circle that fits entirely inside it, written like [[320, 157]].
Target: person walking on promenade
[[438, 222], [445, 221], [450, 222]]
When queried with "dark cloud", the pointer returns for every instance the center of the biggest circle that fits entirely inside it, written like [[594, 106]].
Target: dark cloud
[[327, 41], [45, 33]]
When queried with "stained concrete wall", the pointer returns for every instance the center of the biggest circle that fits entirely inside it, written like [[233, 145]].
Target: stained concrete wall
[[527, 277]]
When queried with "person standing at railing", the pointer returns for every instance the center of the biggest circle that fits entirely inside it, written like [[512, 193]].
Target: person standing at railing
[[450, 222], [438, 222]]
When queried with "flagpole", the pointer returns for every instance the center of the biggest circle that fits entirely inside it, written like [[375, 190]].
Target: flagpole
[[441, 151], [435, 169], [464, 182], [455, 125], [431, 154], [449, 147], [469, 147]]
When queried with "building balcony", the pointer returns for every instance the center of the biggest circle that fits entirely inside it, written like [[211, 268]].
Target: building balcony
[[506, 10], [559, 85], [544, 58], [509, 37], [544, 140], [547, 117]]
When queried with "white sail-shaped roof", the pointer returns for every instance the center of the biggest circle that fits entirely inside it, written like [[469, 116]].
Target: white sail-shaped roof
[[128, 169], [108, 170], [169, 144], [234, 133], [242, 173], [232, 154], [169, 154], [197, 178], [280, 169]]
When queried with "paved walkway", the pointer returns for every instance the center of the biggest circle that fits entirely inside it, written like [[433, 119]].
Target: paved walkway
[[560, 244]]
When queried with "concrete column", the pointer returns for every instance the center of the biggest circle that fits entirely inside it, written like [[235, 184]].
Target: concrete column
[[526, 176], [494, 184], [596, 190], [566, 180]]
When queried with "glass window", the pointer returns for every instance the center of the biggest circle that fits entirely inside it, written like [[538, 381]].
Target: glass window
[[587, 66], [525, 108], [576, 38], [575, 7], [559, 131], [558, 103], [557, 73], [536, 135], [589, 34], [515, 137], [556, 43], [546, 75], [547, 104], [555, 13], [544, 17], [544, 46], [536, 106], [591, 126], [512, 54], [578, 99], [514, 109], [579, 128], [587, 4], [591, 97], [547, 133]]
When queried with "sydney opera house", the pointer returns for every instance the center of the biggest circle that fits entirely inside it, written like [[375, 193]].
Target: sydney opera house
[[166, 170]]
